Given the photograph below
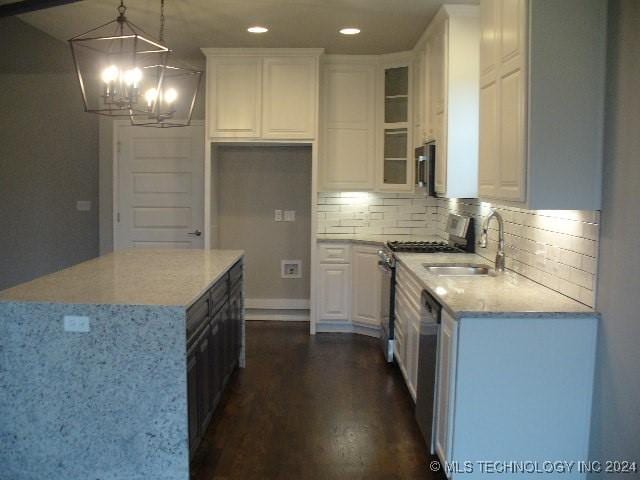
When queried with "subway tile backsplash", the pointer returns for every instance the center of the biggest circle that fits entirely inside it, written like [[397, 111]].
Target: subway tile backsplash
[[556, 248], [361, 213]]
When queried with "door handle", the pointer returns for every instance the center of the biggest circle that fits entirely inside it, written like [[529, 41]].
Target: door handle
[[195, 233]]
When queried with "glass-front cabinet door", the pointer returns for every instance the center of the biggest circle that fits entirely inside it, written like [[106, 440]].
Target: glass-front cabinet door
[[397, 171]]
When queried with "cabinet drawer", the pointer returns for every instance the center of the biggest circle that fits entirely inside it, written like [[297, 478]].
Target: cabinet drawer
[[219, 293], [197, 315], [409, 284], [335, 253]]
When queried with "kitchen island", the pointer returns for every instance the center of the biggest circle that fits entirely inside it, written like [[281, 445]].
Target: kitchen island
[[102, 374]]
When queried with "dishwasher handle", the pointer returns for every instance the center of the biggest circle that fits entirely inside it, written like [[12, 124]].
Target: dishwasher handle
[[432, 308]]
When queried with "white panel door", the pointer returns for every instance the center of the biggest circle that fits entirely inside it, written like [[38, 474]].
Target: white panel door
[[290, 87], [367, 286], [334, 290], [159, 189], [347, 160], [234, 96]]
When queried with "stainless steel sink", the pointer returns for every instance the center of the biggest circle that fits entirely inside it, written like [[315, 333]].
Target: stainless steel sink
[[458, 269]]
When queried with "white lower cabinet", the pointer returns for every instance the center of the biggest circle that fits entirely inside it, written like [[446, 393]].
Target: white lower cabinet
[[367, 286], [407, 326], [447, 343], [334, 288], [349, 288], [514, 389]]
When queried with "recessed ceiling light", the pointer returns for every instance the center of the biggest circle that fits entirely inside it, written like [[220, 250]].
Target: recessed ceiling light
[[257, 29], [349, 31]]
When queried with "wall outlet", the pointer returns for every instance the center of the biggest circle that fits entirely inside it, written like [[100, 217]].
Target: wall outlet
[[289, 215], [76, 323], [277, 215], [291, 269], [83, 205]]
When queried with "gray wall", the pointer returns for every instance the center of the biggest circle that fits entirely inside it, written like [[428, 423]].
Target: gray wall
[[253, 182], [616, 414], [48, 158]]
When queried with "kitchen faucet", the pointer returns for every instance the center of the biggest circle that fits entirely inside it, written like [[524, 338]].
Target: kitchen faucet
[[483, 238]]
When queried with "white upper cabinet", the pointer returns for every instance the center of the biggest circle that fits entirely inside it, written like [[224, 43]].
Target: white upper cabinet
[[396, 169], [269, 94], [450, 83], [290, 97], [347, 153], [234, 96], [542, 69]]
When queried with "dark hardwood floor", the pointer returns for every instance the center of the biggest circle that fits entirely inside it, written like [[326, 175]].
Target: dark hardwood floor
[[323, 407]]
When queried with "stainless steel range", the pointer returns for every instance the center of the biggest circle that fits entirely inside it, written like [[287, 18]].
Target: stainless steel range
[[461, 240]]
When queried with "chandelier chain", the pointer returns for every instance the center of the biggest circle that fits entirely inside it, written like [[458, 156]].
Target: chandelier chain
[[161, 35]]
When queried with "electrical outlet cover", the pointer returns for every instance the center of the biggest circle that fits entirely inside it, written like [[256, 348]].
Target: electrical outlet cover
[[277, 215], [289, 215], [291, 269]]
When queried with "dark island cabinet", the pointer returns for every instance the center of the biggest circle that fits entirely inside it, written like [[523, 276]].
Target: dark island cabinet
[[214, 340]]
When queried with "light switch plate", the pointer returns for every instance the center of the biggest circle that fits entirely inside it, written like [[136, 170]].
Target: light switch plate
[[289, 215], [278, 215], [76, 323], [83, 205]]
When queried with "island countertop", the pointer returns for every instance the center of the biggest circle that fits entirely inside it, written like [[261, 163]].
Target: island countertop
[[164, 277], [506, 294]]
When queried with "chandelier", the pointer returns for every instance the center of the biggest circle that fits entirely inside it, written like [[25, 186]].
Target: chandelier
[[171, 104], [116, 63]]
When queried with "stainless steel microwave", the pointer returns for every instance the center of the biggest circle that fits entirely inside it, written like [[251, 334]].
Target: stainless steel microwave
[[425, 167]]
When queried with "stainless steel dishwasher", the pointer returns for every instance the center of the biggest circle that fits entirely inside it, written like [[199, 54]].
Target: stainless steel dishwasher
[[427, 354]]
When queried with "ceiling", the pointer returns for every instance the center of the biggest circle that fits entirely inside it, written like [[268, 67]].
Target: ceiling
[[387, 25]]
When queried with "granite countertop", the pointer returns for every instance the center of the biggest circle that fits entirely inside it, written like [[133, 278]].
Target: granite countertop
[[165, 277], [372, 239], [503, 294]]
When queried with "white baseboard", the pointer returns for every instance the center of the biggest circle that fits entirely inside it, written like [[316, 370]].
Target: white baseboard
[[278, 317], [277, 309], [277, 303], [348, 327]]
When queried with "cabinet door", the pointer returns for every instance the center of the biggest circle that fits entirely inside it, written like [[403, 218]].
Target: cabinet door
[[192, 398], [489, 162], [512, 100], [367, 286], [503, 93], [234, 96], [437, 91], [334, 287], [347, 159], [489, 37], [203, 352], [215, 360], [438, 68], [440, 135], [447, 343], [289, 97], [235, 307], [397, 168]]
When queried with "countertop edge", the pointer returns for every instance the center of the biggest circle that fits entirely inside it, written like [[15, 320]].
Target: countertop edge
[[460, 314], [238, 255]]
